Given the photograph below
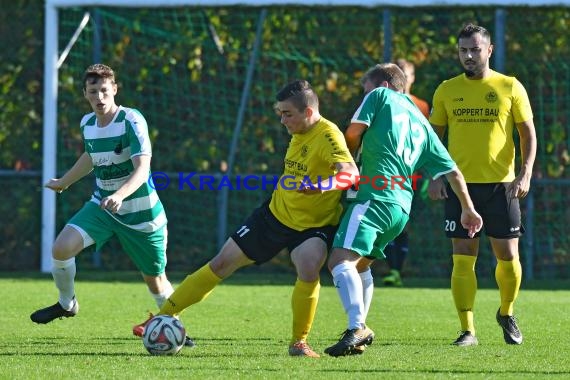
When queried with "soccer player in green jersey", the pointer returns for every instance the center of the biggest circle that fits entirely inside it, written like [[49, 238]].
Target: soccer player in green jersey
[[300, 218], [480, 110], [395, 141], [397, 250], [123, 204]]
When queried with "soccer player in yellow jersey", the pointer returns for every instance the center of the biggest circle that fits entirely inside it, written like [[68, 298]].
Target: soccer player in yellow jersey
[[301, 216], [480, 109]]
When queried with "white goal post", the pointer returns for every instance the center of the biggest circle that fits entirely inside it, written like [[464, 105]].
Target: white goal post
[[53, 60]]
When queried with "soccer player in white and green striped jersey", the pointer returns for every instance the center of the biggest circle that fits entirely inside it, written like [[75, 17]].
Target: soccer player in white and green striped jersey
[[395, 141], [124, 202]]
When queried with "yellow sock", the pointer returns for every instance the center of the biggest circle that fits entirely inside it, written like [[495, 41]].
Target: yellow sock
[[508, 275], [464, 288], [304, 303], [193, 289]]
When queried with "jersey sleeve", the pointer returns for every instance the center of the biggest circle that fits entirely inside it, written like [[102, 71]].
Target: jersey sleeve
[[334, 150], [139, 139], [522, 111], [438, 114]]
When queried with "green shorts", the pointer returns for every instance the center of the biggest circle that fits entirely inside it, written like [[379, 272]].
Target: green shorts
[[147, 250], [367, 227]]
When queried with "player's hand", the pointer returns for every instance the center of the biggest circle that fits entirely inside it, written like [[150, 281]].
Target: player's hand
[[519, 188], [111, 203], [471, 221], [56, 185], [309, 189], [437, 189]]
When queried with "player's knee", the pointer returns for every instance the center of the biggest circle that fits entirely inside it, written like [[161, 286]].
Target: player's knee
[[67, 244], [309, 272], [310, 264], [62, 250], [228, 261]]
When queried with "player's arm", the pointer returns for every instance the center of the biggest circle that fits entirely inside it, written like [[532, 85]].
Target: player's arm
[[520, 186], [436, 188], [139, 176], [470, 219], [439, 119], [346, 175], [439, 129], [353, 136], [80, 169]]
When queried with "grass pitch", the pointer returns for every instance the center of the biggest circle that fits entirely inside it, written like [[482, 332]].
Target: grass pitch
[[242, 331]]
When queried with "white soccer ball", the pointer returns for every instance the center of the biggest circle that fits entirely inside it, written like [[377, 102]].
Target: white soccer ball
[[164, 335]]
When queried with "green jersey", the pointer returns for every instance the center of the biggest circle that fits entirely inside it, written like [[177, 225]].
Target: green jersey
[[398, 142], [111, 149]]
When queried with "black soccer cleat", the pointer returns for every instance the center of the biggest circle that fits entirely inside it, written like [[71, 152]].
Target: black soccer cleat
[[189, 342], [351, 339], [48, 314], [511, 332]]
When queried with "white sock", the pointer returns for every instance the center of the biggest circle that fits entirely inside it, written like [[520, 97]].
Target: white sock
[[163, 296], [349, 288], [63, 273], [367, 289]]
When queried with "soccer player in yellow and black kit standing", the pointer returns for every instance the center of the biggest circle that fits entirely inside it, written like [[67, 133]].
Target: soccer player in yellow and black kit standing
[[480, 109], [301, 216]]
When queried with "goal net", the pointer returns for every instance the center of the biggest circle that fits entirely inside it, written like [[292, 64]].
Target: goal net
[[205, 78], [205, 74]]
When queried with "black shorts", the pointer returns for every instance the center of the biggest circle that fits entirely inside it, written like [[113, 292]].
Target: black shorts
[[261, 237], [501, 216]]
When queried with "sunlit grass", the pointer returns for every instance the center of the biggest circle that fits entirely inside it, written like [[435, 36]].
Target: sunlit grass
[[242, 331]]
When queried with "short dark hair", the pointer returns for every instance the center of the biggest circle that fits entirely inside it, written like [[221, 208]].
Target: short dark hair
[[98, 71], [404, 63], [300, 94], [388, 72], [470, 29]]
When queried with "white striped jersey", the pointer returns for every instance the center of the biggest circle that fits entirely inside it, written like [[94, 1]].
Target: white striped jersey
[[111, 149]]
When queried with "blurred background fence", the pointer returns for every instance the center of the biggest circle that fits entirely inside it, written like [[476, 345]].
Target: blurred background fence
[[205, 77]]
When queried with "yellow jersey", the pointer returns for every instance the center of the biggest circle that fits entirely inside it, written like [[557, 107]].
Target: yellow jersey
[[480, 116], [311, 156]]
